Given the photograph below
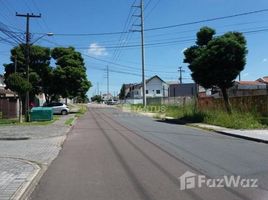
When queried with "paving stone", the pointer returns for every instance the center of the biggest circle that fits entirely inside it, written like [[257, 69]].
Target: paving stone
[[18, 157]]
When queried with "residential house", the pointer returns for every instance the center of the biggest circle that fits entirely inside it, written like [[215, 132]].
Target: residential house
[[155, 87], [244, 88], [9, 104], [263, 80], [177, 89], [128, 88], [106, 97], [248, 88]]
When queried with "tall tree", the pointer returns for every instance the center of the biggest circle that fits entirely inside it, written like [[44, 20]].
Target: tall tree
[[70, 73], [122, 93], [17, 83], [217, 61], [39, 66]]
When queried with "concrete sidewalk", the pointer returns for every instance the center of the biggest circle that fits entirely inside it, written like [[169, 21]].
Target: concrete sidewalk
[[258, 135], [25, 154]]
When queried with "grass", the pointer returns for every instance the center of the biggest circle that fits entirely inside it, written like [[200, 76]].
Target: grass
[[188, 114], [82, 110], [69, 121], [8, 121], [35, 123]]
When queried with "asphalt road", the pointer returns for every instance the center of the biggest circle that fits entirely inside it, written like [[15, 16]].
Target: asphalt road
[[111, 155]]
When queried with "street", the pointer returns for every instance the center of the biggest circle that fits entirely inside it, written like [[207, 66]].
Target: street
[[115, 155]]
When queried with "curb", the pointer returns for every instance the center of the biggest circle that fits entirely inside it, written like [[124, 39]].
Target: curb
[[26, 185], [230, 134], [25, 191], [25, 194], [241, 137]]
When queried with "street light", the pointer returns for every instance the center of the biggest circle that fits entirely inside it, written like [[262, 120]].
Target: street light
[[49, 34], [28, 44]]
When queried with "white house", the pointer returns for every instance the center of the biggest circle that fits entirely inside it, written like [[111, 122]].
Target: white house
[[155, 87]]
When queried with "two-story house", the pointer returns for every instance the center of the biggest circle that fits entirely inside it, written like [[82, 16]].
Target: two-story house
[[155, 87]]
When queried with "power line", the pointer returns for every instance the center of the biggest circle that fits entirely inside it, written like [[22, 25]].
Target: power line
[[148, 13], [162, 27], [122, 42], [38, 10], [172, 42], [207, 20]]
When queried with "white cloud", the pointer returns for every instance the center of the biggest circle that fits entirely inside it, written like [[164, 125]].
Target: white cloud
[[97, 50], [265, 60]]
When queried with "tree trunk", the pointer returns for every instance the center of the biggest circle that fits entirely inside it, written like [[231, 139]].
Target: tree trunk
[[226, 100], [20, 110]]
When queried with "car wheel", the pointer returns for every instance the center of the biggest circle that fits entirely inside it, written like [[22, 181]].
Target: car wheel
[[64, 112]]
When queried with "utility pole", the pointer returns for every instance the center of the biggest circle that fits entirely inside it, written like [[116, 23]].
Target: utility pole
[[180, 70], [98, 89], [16, 63], [27, 56], [239, 77], [108, 90], [141, 25]]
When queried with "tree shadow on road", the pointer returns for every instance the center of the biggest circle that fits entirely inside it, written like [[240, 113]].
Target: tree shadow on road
[[172, 121]]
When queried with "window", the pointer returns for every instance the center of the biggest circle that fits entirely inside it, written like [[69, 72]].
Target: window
[[157, 91], [147, 92]]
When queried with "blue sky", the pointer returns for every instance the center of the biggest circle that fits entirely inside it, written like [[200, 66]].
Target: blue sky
[[102, 16]]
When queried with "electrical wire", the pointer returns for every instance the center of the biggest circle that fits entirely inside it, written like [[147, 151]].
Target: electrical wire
[[163, 27]]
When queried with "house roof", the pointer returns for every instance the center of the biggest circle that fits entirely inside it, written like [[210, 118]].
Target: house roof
[[139, 85], [172, 82], [264, 79], [129, 85], [4, 91], [249, 83], [155, 76]]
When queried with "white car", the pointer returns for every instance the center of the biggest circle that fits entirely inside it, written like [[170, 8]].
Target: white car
[[58, 108]]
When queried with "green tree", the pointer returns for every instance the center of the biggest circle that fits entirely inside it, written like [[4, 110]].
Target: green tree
[[122, 93], [70, 77], [17, 83], [39, 66], [217, 61], [96, 98]]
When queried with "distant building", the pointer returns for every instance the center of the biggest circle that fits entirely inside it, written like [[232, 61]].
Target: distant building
[[244, 88], [263, 80], [248, 88], [128, 88], [2, 83], [106, 97], [9, 104], [182, 89], [155, 87]]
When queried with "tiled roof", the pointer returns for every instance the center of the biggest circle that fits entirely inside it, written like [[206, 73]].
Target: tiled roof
[[250, 83]]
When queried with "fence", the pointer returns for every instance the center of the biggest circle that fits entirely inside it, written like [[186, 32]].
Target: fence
[[8, 108], [162, 100], [245, 104]]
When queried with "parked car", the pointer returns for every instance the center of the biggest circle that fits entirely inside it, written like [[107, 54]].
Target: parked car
[[111, 102], [58, 108]]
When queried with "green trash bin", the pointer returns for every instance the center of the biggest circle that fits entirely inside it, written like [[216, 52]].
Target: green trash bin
[[41, 114]]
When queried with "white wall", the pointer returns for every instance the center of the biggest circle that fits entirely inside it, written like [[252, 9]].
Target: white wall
[[155, 85]]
